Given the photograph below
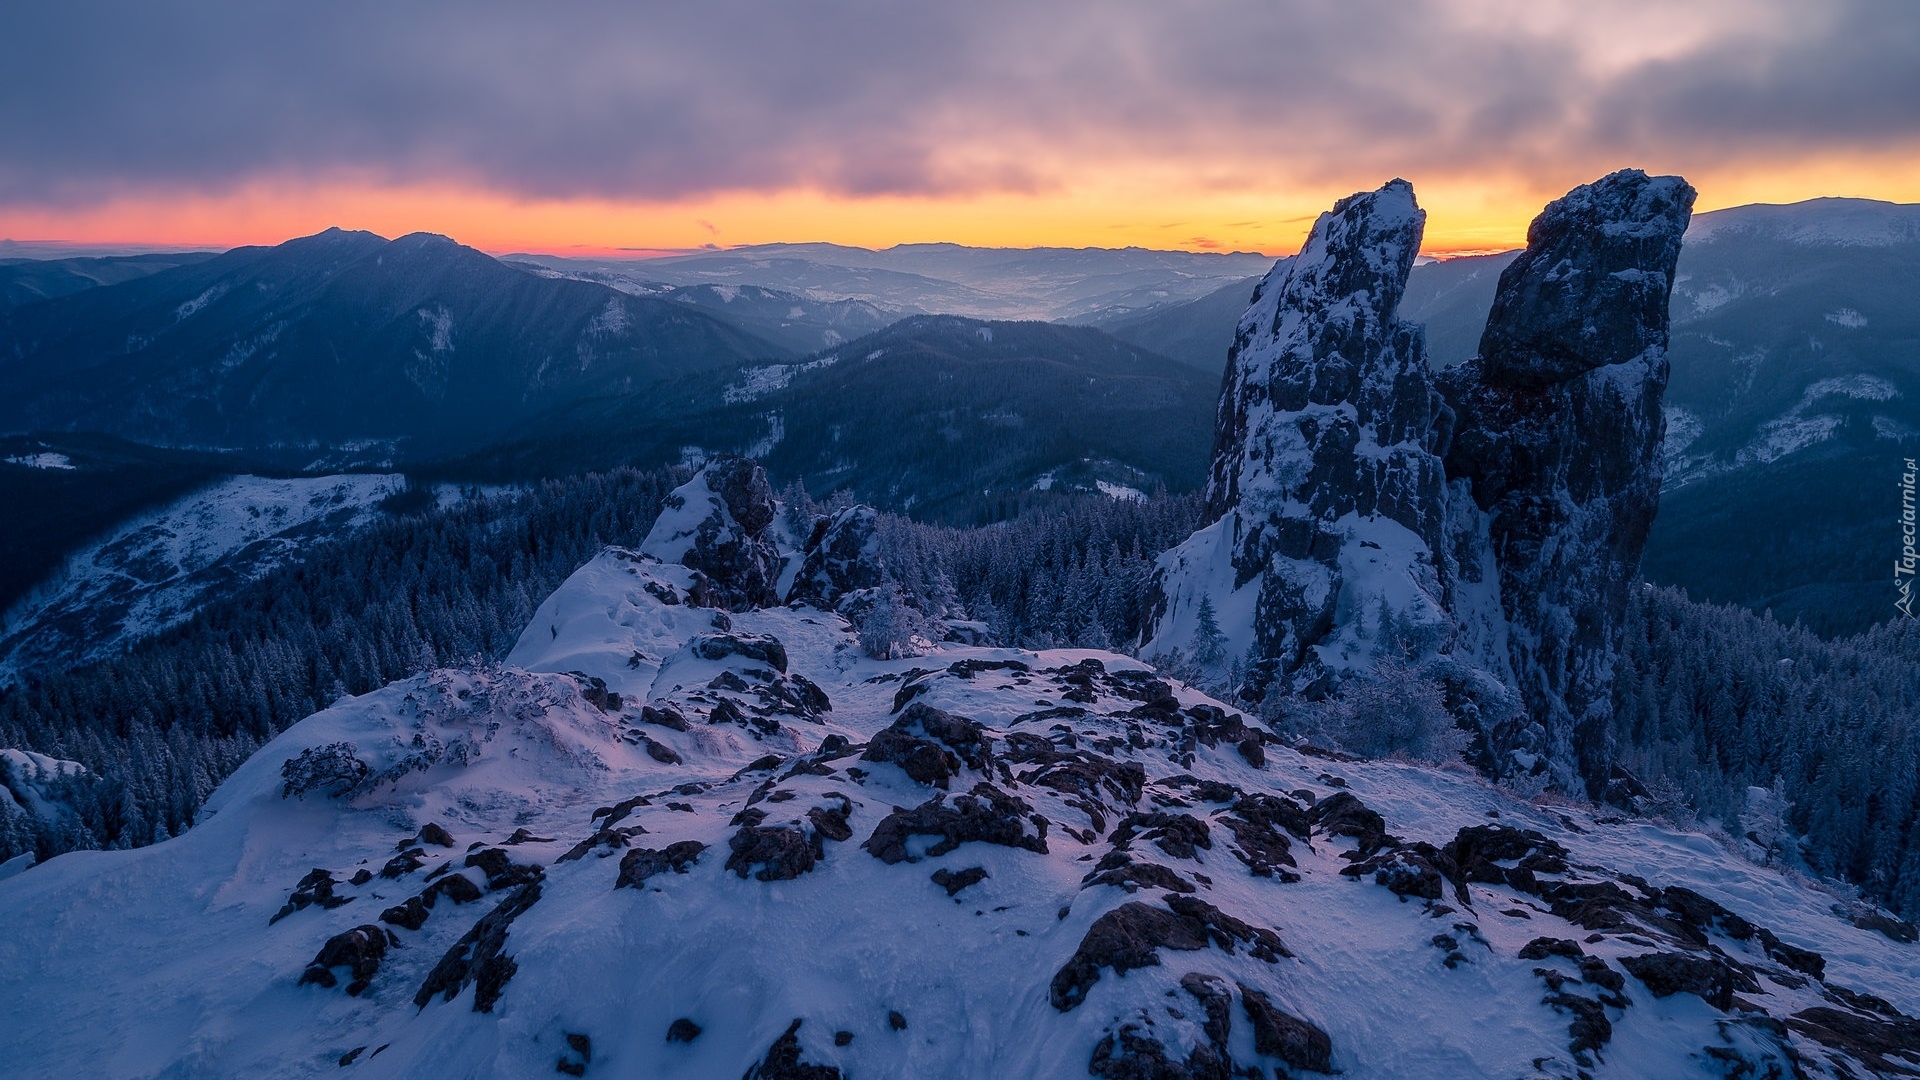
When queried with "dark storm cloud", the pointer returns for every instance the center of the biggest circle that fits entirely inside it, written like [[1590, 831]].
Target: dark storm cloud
[[663, 100]]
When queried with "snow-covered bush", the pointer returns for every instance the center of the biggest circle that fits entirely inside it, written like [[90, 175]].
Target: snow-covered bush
[[334, 770], [1396, 710]]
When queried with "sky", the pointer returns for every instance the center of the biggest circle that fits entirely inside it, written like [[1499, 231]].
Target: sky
[[570, 127]]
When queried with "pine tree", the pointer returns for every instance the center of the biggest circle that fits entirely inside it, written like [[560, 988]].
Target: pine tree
[[1208, 646]]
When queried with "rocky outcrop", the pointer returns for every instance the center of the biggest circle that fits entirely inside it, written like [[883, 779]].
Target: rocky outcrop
[[1555, 465], [720, 524], [842, 557], [1484, 524], [1325, 472]]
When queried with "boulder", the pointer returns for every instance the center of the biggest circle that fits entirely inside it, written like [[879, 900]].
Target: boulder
[[842, 557], [720, 524]]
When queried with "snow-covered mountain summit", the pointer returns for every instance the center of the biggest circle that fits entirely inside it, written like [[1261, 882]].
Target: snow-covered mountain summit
[[671, 839]]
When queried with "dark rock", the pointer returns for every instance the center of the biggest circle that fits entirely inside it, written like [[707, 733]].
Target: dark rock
[[664, 715], [662, 753], [1590, 1029], [1417, 869], [842, 556], [1557, 440], [782, 852], [1805, 961], [1179, 835], [1343, 814], [783, 1061], [762, 647], [361, 876], [639, 864], [831, 821], [1542, 947], [411, 915], [432, 833], [987, 814], [502, 872], [1279, 1034], [1216, 1000], [1707, 977], [1257, 822], [610, 838], [582, 1048], [967, 669], [1091, 777], [1701, 914], [593, 690], [360, 950], [843, 1038], [1888, 926], [479, 958], [930, 744], [404, 863], [896, 1021], [1477, 851], [315, 888], [1127, 1054], [1888, 1046], [683, 1030], [1595, 972], [455, 887], [954, 881], [1130, 936], [1117, 868], [729, 542]]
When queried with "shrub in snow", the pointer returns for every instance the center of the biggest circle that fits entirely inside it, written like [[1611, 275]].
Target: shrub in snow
[[888, 626], [1397, 709]]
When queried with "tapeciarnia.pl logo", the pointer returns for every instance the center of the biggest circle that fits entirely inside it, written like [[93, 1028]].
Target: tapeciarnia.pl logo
[[1903, 567]]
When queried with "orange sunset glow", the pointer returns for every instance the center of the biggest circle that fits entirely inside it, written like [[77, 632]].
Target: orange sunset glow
[[1467, 214]]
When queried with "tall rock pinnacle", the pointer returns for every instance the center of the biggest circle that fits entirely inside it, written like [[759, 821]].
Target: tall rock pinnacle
[[1324, 472], [1555, 464], [1484, 524]]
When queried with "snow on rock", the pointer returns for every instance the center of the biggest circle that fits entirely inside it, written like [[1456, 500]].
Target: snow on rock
[[1325, 470], [842, 557], [721, 524], [1557, 446], [157, 569], [29, 782], [666, 840], [1484, 523]]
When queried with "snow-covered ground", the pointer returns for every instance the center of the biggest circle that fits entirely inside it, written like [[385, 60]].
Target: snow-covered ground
[[679, 726], [158, 568]]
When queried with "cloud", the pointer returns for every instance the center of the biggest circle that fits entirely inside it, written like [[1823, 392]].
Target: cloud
[[667, 101]]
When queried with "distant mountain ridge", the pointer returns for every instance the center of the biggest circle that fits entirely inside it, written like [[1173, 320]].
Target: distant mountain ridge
[[341, 339], [953, 279], [925, 415]]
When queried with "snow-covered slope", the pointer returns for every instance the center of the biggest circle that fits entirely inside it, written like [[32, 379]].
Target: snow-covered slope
[[1818, 222], [666, 840], [157, 569]]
